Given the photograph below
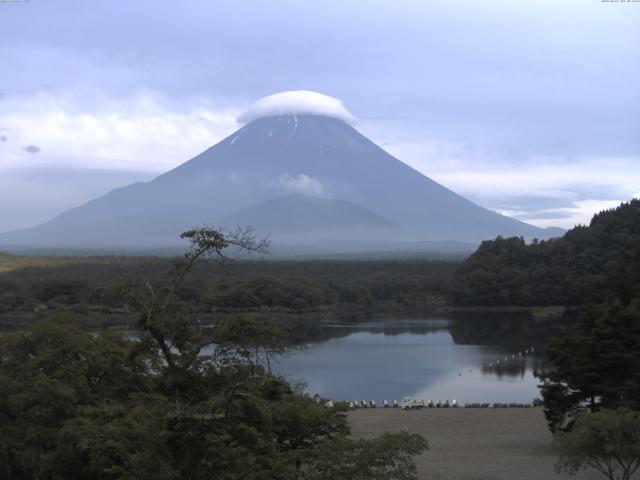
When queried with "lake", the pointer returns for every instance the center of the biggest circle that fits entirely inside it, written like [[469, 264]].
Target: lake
[[470, 358]]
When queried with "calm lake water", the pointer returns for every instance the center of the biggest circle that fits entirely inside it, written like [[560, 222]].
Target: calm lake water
[[469, 358]]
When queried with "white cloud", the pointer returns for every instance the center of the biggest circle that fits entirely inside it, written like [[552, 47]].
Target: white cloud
[[580, 186], [469, 170], [297, 102], [301, 182], [581, 213], [550, 181], [142, 132], [101, 142]]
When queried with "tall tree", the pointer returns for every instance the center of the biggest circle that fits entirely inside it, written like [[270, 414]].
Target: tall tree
[[596, 364], [608, 441]]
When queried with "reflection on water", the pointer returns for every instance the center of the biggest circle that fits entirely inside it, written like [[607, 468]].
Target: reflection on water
[[469, 358]]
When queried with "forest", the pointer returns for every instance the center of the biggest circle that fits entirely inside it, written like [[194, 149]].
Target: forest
[[91, 288], [587, 265]]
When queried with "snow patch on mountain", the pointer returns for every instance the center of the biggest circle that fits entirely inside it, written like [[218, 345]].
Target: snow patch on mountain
[[297, 102]]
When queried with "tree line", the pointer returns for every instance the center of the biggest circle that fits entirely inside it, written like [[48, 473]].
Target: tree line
[[589, 264], [91, 289]]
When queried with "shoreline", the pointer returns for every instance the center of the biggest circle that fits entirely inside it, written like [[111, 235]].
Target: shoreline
[[96, 319]]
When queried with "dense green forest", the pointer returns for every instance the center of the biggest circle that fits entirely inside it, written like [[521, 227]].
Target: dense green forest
[[588, 264], [32, 288]]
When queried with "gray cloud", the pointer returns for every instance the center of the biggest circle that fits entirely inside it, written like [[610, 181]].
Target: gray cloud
[[31, 149], [476, 74], [3, 138], [423, 67]]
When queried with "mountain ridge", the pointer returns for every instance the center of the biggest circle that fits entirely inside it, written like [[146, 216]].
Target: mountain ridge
[[268, 158]]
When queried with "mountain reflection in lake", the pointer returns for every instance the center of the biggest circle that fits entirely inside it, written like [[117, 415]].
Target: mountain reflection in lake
[[469, 358]]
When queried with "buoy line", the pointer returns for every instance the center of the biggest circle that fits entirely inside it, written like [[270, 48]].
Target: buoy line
[[514, 356]]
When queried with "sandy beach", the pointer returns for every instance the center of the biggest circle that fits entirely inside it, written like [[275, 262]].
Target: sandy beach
[[478, 444]]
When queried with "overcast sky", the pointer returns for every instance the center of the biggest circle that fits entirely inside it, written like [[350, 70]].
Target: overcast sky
[[531, 108]]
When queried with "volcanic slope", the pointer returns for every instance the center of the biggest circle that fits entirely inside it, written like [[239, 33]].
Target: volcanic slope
[[292, 174]]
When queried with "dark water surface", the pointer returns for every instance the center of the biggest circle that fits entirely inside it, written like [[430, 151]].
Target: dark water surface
[[470, 358]]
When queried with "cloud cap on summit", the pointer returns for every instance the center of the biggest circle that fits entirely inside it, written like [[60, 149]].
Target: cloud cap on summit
[[297, 102]]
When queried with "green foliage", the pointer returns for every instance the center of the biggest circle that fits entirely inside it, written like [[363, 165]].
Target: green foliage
[[49, 376], [587, 265], [93, 289], [116, 440], [81, 406], [386, 458], [608, 441], [301, 422], [175, 404], [253, 337], [595, 363]]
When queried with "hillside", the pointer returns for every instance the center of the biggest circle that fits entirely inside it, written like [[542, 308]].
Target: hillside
[[588, 264], [302, 214]]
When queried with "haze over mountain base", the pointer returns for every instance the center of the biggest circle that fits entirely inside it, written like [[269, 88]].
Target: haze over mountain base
[[310, 182]]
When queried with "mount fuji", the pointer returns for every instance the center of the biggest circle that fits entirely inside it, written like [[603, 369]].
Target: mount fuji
[[297, 171]]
